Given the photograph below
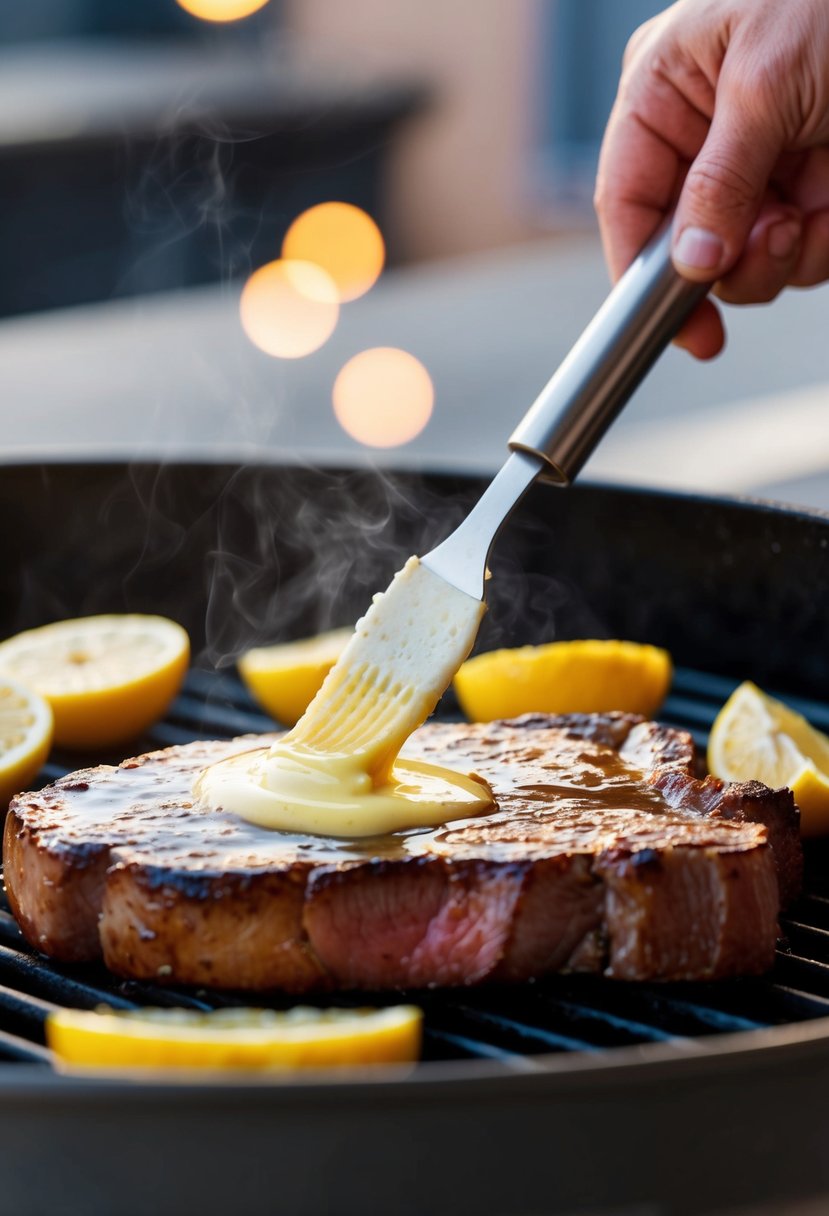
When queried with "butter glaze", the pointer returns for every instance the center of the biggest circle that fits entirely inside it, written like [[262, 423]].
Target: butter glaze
[[339, 772], [327, 794], [143, 813]]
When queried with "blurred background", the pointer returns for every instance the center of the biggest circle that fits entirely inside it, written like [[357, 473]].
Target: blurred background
[[352, 230]]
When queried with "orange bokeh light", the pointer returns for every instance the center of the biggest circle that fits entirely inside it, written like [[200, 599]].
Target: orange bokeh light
[[344, 240], [383, 397], [221, 10], [289, 309]]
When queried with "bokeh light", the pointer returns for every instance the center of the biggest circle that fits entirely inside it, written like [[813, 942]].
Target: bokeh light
[[289, 309], [383, 397], [344, 240], [222, 10]]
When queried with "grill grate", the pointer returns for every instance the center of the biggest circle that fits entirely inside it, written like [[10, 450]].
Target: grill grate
[[510, 1025]]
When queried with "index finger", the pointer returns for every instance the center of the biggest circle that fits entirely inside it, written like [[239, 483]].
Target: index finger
[[641, 170], [635, 186], [652, 135]]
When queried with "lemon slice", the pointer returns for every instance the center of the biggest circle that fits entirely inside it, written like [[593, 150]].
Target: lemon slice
[[755, 738], [235, 1038], [26, 726], [285, 678], [564, 678], [107, 678]]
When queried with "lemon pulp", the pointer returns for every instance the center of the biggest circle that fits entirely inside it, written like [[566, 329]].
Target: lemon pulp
[[758, 738], [106, 678], [26, 727]]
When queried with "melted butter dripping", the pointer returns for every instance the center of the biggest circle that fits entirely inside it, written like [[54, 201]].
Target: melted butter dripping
[[332, 794], [366, 715], [338, 772]]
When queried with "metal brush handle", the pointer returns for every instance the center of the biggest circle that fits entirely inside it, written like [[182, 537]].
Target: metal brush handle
[[638, 319]]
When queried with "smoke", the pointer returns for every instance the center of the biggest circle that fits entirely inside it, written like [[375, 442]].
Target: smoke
[[530, 598], [206, 163], [300, 551], [247, 555], [188, 219]]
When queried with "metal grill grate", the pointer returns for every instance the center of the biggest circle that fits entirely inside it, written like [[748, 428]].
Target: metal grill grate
[[511, 1025]]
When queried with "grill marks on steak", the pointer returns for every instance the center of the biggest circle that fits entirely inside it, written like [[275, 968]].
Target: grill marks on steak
[[604, 854]]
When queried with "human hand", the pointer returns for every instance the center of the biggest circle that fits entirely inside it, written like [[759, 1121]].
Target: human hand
[[723, 111]]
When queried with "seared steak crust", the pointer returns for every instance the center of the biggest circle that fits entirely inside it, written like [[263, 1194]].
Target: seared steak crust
[[604, 854]]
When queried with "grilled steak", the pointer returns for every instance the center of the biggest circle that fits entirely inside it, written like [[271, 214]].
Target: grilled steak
[[605, 854]]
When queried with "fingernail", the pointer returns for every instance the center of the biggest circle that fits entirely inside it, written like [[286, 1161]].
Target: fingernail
[[783, 238], [698, 249]]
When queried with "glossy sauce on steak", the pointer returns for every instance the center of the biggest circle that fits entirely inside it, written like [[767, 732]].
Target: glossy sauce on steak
[[604, 854]]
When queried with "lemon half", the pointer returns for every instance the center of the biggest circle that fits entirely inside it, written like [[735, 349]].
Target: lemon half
[[26, 726], [564, 677], [235, 1038], [107, 678], [285, 678], [756, 738]]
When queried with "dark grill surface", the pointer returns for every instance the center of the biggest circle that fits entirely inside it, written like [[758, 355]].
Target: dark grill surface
[[511, 1025]]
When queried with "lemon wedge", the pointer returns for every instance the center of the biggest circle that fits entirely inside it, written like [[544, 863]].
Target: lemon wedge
[[234, 1038], [285, 678], [564, 677], [26, 726], [107, 678], [756, 738]]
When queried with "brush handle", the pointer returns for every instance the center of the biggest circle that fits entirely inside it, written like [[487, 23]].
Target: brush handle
[[643, 312]]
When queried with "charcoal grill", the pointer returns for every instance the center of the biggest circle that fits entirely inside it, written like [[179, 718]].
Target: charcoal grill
[[569, 1095]]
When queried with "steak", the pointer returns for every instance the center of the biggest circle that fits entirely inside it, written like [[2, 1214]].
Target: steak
[[604, 854]]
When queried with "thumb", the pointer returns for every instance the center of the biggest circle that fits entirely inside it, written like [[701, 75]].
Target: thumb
[[724, 191]]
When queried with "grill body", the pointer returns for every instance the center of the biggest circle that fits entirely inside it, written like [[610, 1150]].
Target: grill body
[[566, 1096]]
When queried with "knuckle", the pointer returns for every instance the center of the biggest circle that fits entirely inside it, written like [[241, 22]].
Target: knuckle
[[664, 62], [648, 47], [633, 44], [718, 182]]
